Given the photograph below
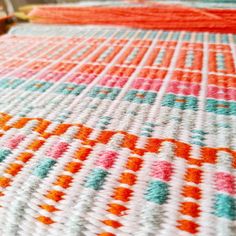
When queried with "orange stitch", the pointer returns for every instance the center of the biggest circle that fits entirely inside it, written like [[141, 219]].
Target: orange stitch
[[73, 167], [191, 191], [139, 151], [134, 163], [46, 135], [187, 225], [55, 195], [25, 156], [106, 234], [113, 223], [21, 123], [153, 145], [64, 181], [105, 136], [89, 142], [41, 127], [190, 208], [182, 150], [6, 127], [82, 153], [234, 162], [84, 132], [128, 178], [4, 119], [122, 194], [193, 161], [193, 175], [49, 208], [116, 209], [13, 169], [209, 155], [129, 141], [61, 129], [36, 144], [44, 219], [4, 182]]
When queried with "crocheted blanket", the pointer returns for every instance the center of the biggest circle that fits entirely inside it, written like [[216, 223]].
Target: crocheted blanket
[[113, 131]]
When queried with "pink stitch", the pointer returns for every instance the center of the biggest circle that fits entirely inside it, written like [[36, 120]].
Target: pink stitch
[[147, 84], [224, 182], [177, 87], [113, 81], [51, 76], [221, 93], [161, 170], [79, 78], [13, 142], [106, 160], [57, 149]]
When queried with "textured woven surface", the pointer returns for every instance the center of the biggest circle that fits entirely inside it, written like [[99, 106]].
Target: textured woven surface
[[112, 131]]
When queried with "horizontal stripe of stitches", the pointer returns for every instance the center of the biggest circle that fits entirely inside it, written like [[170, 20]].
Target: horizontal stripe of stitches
[[152, 143]]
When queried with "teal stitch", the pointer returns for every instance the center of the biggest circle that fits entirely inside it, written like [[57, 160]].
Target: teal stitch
[[104, 122], [198, 137], [147, 129], [106, 118], [223, 125], [104, 93], [145, 134], [42, 169], [157, 192], [199, 132], [197, 143], [171, 100], [187, 36], [38, 86], [10, 83], [4, 153], [96, 179], [199, 37], [224, 38], [150, 124], [138, 96], [70, 89], [175, 35], [212, 38], [221, 107], [163, 35], [225, 207]]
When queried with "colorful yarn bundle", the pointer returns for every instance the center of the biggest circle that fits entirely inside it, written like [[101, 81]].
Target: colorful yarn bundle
[[113, 132], [154, 16]]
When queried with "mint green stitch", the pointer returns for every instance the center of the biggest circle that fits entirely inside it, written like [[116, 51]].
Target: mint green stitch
[[4, 153], [157, 192], [44, 167], [225, 206], [96, 179]]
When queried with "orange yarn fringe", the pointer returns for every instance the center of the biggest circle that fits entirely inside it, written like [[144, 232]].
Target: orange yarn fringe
[[158, 16]]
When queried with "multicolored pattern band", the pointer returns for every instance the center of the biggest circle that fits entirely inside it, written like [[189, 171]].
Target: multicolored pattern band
[[117, 132]]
